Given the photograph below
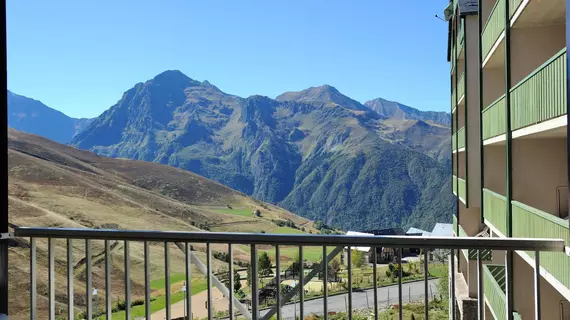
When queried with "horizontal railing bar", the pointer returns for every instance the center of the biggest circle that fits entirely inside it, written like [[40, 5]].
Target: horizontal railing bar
[[530, 244]]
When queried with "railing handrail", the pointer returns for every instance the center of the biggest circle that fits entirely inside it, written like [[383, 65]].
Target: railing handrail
[[542, 214], [495, 194], [530, 244], [460, 179], [493, 103], [540, 68]]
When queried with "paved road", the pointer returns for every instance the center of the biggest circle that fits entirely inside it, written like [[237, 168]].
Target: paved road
[[360, 300]]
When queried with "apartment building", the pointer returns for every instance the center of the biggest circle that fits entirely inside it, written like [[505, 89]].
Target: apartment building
[[509, 94]]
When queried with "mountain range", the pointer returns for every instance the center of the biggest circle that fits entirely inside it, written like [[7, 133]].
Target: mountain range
[[32, 116], [315, 152]]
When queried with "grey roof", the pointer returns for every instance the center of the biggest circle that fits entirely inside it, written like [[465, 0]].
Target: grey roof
[[415, 231], [442, 230], [467, 7]]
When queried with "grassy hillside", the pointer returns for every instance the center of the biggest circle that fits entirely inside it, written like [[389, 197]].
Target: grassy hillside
[[53, 185]]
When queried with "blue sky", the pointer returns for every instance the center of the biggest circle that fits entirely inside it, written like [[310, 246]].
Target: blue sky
[[80, 56]]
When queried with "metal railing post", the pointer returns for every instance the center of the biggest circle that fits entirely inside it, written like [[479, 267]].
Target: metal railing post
[[127, 273], [349, 263], [254, 291], [278, 280], [188, 270], [480, 292], [88, 282], [108, 298], [232, 280], [33, 281], [51, 278], [146, 280], [209, 265], [325, 283], [167, 280], [426, 293], [537, 310], [400, 311]]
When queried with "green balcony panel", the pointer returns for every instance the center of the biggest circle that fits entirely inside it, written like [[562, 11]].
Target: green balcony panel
[[461, 86], [495, 210], [471, 254], [493, 27], [455, 186], [460, 36], [529, 222], [541, 95], [453, 99], [513, 6], [461, 138], [454, 223], [494, 289], [494, 119], [516, 316], [454, 141], [462, 189]]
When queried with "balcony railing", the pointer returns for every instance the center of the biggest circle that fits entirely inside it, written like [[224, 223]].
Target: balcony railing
[[462, 189], [495, 210], [455, 185], [454, 141], [460, 37], [454, 99], [493, 28], [541, 95], [529, 222], [461, 86], [513, 6], [41, 244], [494, 119], [455, 224], [494, 287], [486, 255], [461, 138]]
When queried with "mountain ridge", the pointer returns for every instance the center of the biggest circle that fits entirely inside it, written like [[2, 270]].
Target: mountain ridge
[[24, 114], [316, 152]]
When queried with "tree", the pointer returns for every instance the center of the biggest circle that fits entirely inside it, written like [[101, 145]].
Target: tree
[[357, 258], [263, 267], [335, 268], [237, 281], [441, 255], [264, 264]]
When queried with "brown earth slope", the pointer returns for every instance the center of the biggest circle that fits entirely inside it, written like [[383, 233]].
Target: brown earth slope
[[53, 185]]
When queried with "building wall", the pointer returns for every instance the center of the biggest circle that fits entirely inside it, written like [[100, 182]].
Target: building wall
[[495, 163], [523, 301], [473, 112], [486, 7], [531, 47], [493, 85], [469, 219], [539, 167]]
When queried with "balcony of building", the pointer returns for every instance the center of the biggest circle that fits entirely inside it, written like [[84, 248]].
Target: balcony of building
[[458, 137], [458, 85], [493, 33], [493, 113], [538, 68], [494, 187], [461, 178]]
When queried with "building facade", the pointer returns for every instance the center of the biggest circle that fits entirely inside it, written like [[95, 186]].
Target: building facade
[[509, 95]]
